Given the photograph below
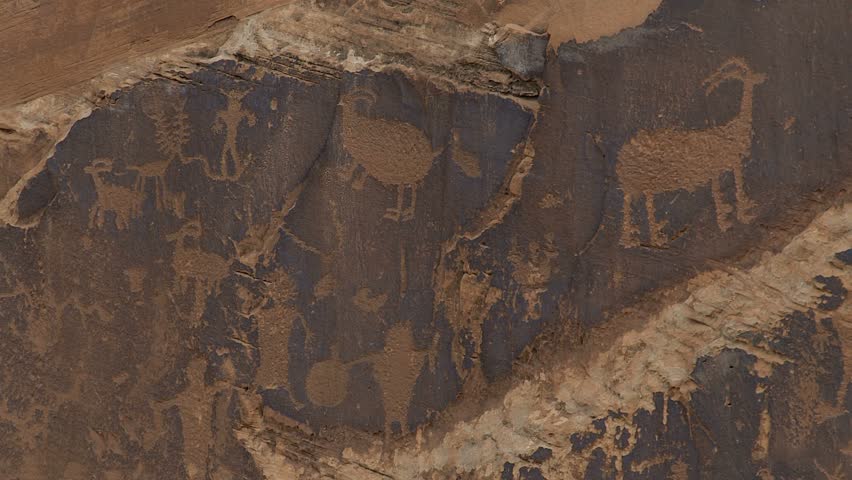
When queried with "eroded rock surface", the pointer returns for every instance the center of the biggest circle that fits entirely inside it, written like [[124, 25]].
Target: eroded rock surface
[[379, 239]]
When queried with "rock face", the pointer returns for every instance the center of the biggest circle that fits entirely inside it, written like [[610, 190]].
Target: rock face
[[521, 51], [415, 240]]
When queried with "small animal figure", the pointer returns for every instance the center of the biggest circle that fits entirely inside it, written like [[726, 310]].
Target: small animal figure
[[124, 202]]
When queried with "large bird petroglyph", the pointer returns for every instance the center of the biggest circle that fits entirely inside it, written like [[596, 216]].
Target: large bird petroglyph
[[392, 152], [671, 158]]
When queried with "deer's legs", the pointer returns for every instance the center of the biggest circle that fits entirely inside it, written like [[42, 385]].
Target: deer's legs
[[744, 204], [654, 228], [629, 232], [722, 209]]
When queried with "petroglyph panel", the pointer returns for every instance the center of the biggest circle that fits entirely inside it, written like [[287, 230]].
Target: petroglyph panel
[[347, 242]]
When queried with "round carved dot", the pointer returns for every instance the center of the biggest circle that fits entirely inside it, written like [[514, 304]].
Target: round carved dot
[[327, 382]]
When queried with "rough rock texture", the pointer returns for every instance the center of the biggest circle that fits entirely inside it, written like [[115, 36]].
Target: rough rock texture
[[366, 239], [51, 44]]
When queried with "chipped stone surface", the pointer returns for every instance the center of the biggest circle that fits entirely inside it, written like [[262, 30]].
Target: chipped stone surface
[[520, 50], [352, 239]]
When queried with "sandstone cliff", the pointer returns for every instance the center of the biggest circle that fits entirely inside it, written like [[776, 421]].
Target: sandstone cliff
[[438, 239]]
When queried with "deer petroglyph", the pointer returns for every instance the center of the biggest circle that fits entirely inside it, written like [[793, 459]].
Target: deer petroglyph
[[671, 159]]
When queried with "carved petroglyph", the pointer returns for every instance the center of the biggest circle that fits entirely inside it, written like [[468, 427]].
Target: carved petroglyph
[[171, 127], [467, 161], [154, 173], [392, 152], [256, 249], [276, 314], [126, 202], [533, 269], [368, 301], [197, 271], [232, 164], [396, 368], [670, 159], [327, 382], [465, 293], [195, 415], [469, 306], [123, 202], [171, 130]]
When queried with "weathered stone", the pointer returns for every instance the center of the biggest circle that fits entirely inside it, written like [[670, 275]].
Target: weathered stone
[[521, 51], [380, 240]]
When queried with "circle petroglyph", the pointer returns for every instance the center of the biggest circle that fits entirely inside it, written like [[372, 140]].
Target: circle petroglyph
[[327, 383]]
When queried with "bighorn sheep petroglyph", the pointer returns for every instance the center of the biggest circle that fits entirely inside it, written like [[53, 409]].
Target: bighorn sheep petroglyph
[[120, 200], [671, 158]]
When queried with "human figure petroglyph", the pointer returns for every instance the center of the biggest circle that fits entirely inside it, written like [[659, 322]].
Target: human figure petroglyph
[[671, 158], [394, 153], [231, 163], [172, 133]]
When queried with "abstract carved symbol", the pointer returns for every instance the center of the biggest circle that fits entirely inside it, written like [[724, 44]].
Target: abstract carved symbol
[[670, 159], [394, 153], [171, 125]]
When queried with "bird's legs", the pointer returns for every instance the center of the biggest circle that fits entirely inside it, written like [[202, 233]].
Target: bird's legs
[[395, 214], [400, 214], [628, 231], [654, 228], [408, 213]]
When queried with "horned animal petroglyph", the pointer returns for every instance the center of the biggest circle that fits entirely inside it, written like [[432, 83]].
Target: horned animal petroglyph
[[671, 158], [125, 203], [155, 172], [196, 271]]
